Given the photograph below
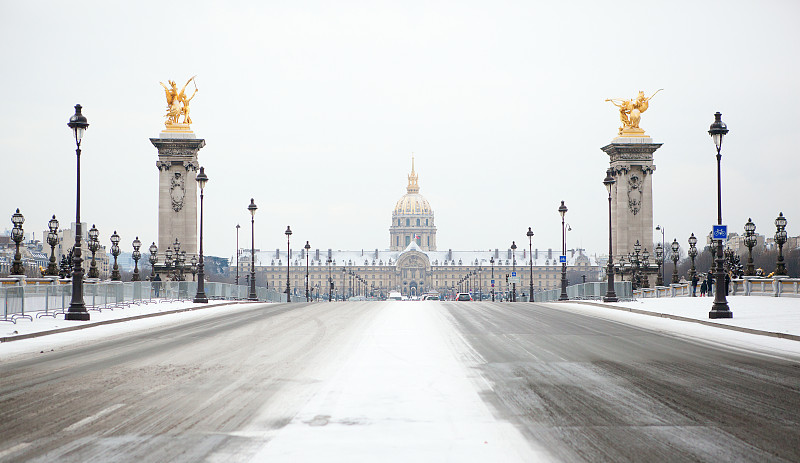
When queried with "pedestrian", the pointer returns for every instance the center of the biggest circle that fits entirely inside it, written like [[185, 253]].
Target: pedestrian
[[703, 288], [694, 285], [157, 284], [727, 282], [710, 284]]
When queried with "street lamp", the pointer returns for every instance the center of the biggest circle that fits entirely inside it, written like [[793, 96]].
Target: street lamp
[[307, 247], [530, 259], [562, 209], [17, 234], [115, 252], [663, 256], [94, 246], [330, 280], [675, 256], [77, 307], [52, 240], [780, 238], [193, 264], [153, 259], [611, 294], [692, 255], [252, 208], [288, 234], [645, 263], [136, 256], [200, 297], [237, 254], [750, 242], [719, 308], [659, 262], [491, 261], [513, 271]]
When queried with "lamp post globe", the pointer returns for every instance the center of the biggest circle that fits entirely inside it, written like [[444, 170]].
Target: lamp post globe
[[780, 238], [562, 209], [692, 255], [77, 307], [611, 294], [659, 262], [288, 234], [94, 246], [115, 276], [17, 234], [200, 297], [252, 209], [153, 259], [52, 240], [750, 242], [136, 256], [675, 256], [719, 309]]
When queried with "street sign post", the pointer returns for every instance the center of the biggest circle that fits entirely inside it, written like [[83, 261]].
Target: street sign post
[[562, 259], [720, 232]]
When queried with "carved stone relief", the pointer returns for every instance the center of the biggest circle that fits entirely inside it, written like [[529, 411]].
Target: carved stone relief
[[177, 191]]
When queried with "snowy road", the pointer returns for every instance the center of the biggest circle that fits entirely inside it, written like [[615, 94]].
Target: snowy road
[[396, 381]]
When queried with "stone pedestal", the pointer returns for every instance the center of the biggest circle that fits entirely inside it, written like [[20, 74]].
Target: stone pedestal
[[632, 196], [177, 192]]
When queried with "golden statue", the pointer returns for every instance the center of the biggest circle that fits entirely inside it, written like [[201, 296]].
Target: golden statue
[[177, 106], [630, 113]]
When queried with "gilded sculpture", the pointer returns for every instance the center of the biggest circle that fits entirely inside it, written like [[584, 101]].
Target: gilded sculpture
[[630, 113], [178, 105]]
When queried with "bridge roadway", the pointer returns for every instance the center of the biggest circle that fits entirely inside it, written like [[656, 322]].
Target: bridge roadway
[[218, 388]]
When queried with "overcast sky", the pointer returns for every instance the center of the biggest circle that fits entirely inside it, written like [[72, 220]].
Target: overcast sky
[[314, 109]]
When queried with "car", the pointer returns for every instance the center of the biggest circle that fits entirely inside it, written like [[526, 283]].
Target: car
[[430, 297], [463, 297], [395, 296]]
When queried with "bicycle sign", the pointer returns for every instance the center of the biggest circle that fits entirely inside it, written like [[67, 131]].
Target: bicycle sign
[[720, 232]]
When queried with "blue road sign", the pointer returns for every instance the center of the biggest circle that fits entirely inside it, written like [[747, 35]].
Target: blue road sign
[[562, 259], [492, 282], [492, 285], [720, 232], [513, 274]]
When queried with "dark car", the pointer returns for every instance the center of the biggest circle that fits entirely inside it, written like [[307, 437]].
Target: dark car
[[463, 297]]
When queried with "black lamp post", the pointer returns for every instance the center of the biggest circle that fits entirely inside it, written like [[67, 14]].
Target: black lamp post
[[663, 265], [288, 234], [330, 280], [780, 238], [153, 259], [750, 242], [136, 256], [17, 234], [514, 271], [645, 264], [94, 246], [720, 307], [675, 256], [530, 260], [307, 247], [252, 208], [201, 297], [611, 294], [659, 263], [236, 281], [77, 307], [193, 265], [692, 255], [168, 260], [491, 261], [52, 240], [115, 252], [562, 209]]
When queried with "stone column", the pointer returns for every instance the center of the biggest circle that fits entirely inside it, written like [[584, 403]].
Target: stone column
[[177, 192], [631, 160]]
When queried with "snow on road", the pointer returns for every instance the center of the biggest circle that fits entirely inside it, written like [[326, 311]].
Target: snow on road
[[402, 395]]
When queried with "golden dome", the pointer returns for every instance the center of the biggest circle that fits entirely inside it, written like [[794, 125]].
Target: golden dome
[[412, 202]]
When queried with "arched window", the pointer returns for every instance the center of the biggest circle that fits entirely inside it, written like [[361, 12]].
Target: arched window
[[399, 222], [408, 222], [426, 222]]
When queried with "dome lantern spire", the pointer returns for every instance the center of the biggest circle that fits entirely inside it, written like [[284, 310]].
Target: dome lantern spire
[[412, 187]]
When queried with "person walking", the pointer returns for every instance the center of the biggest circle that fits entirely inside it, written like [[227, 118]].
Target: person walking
[[703, 288], [157, 284], [694, 285]]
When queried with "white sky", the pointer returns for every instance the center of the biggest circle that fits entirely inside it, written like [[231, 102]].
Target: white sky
[[314, 109]]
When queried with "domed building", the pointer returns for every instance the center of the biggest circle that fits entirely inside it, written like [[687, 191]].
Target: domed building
[[412, 219]]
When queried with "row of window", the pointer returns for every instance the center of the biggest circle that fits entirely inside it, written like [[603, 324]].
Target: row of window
[[408, 222]]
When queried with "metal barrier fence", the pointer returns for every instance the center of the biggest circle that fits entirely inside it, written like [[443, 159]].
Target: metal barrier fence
[[593, 290], [51, 297], [779, 286]]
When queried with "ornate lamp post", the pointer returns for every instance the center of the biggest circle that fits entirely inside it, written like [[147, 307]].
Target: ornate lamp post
[[153, 259], [636, 263], [692, 255], [136, 256], [236, 282], [675, 256], [307, 247], [720, 307], [328, 262], [17, 234], [645, 263], [180, 264], [663, 264], [780, 238], [611, 294], [252, 208], [52, 240], [514, 271], [750, 242], [94, 246], [530, 259], [168, 260], [193, 264], [491, 261], [200, 297], [115, 252], [659, 262], [288, 234], [77, 307], [562, 209]]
